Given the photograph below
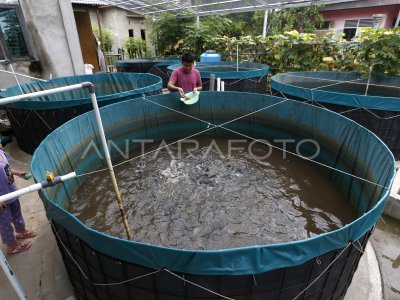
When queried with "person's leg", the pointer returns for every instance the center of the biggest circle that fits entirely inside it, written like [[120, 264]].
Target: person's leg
[[19, 223], [7, 232], [16, 216], [6, 228]]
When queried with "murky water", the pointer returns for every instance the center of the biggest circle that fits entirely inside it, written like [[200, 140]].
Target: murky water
[[214, 197]]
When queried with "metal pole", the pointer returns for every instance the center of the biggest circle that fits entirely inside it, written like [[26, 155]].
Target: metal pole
[[264, 34], [11, 277]]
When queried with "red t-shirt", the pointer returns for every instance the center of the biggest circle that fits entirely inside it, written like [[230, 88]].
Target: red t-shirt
[[187, 81]]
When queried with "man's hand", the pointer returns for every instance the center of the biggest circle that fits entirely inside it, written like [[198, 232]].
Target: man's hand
[[181, 92], [2, 206]]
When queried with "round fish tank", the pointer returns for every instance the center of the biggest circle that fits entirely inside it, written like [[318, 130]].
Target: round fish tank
[[135, 65], [153, 66], [101, 266], [34, 119], [372, 102], [241, 77], [161, 69]]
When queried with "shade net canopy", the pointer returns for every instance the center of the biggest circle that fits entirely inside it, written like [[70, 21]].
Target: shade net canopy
[[208, 7]]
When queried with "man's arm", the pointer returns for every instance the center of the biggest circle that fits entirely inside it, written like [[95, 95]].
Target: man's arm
[[173, 88], [172, 84]]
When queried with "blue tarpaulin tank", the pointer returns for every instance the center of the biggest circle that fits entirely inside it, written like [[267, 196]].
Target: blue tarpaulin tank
[[210, 56], [372, 102], [320, 267], [33, 120]]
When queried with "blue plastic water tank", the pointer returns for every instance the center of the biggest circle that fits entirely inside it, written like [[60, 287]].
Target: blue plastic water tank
[[210, 56]]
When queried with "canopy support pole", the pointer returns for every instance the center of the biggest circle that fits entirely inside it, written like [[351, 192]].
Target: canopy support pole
[[264, 34]]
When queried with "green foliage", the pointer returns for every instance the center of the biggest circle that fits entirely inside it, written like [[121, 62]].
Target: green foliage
[[135, 47], [294, 51], [301, 19], [168, 33], [378, 50], [285, 50], [108, 38], [198, 40], [250, 48]]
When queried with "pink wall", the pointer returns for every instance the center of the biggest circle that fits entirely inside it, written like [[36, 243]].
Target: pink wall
[[339, 16]]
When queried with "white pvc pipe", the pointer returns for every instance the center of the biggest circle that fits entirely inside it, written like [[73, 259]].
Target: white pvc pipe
[[109, 163], [11, 277], [32, 188], [218, 84], [222, 86], [397, 20], [264, 34], [237, 58], [39, 94]]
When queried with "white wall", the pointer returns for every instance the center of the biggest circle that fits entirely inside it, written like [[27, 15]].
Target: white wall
[[116, 20], [51, 25]]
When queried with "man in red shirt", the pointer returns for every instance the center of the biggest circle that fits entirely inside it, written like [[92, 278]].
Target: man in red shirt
[[185, 78]]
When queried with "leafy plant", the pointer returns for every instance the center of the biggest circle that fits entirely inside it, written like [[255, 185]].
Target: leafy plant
[[107, 36], [291, 50], [301, 19], [135, 47], [168, 33], [377, 50]]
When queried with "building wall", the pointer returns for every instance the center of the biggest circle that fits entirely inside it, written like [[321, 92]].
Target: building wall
[[116, 20], [55, 41], [339, 16]]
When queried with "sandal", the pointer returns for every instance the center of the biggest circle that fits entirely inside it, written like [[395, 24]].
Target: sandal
[[19, 248], [28, 234]]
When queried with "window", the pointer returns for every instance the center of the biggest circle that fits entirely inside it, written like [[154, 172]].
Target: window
[[130, 32], [14, 36], [351, 27], [326, 25], [143, 34]]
